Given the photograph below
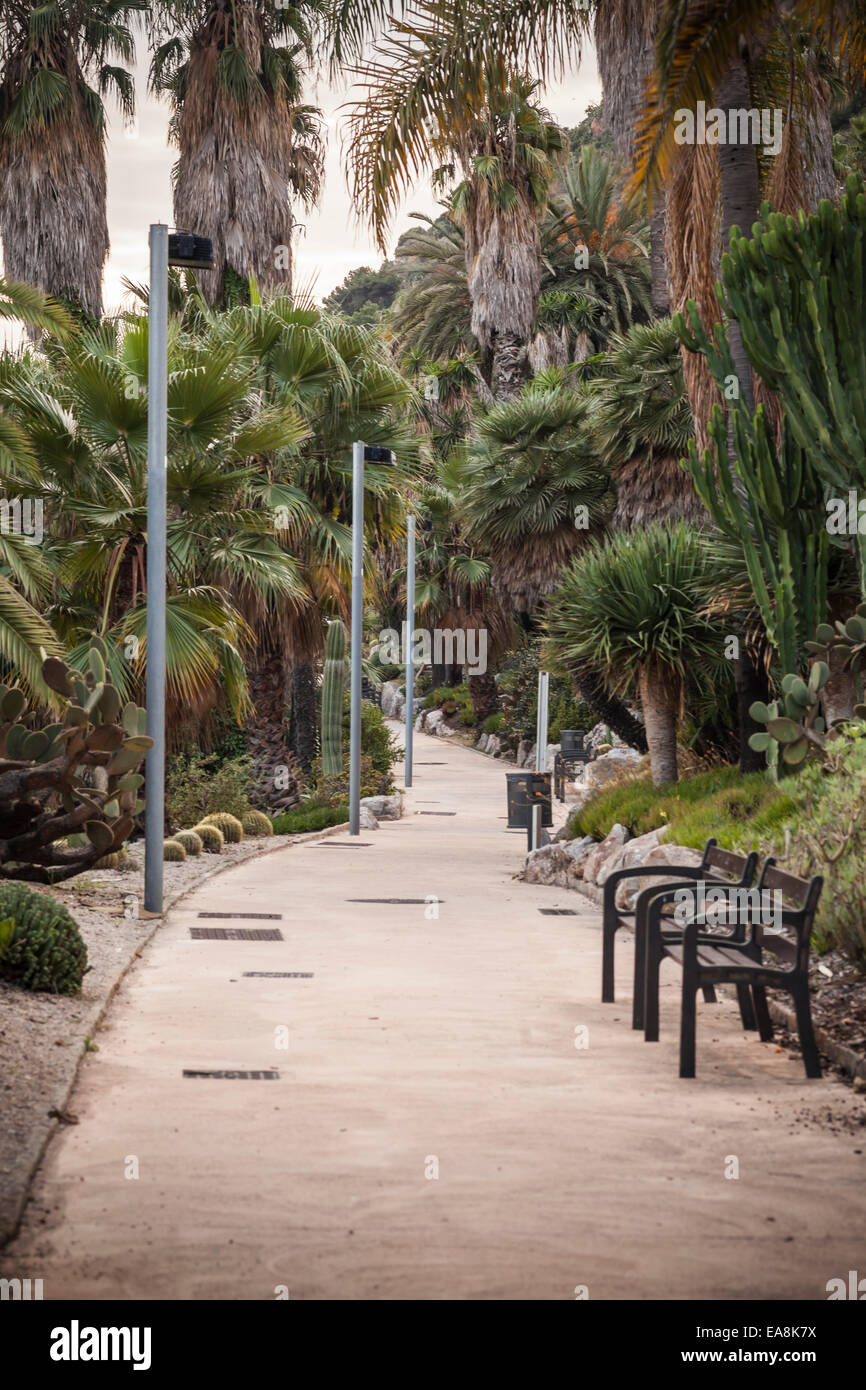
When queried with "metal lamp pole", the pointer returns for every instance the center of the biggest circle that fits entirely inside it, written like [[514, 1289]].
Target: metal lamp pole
[[410, 643], [180, 249], [357, 637], [157, 392]]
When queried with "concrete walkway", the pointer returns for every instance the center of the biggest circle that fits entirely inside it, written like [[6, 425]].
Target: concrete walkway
[[427, 1045]]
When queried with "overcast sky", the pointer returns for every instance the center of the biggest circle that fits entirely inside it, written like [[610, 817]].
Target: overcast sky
[[139, 189]]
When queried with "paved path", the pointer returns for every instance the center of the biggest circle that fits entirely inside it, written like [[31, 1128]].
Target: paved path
[[424, 1043]]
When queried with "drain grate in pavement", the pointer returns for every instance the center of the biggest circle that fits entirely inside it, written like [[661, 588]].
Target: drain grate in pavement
[[278, 974], [257, 916], [430, 764], [342, 844], [234, 1075], [437, 813], [413, 902], [236, 934], [557, 912]]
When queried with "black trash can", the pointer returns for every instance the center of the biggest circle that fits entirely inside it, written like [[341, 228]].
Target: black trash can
[[525, 790], [571, 740]]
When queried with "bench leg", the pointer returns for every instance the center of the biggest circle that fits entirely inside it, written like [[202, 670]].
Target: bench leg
[[709, 994], [607, 935], [762, 1013], [688, 1023], [747, 1013], [808, 1045], [638, 992], [652, 966]]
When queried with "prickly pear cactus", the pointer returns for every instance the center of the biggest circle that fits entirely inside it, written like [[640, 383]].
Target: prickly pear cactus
[[794, 724], [47, 773], [849, 640]]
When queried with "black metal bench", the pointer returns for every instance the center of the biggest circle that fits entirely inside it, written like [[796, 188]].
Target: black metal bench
[[733, 953], [717, 866], [564, 765]]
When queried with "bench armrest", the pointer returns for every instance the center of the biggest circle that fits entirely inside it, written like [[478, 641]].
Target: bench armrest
[[690, 871]]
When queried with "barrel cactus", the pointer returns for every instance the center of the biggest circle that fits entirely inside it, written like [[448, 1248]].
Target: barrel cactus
[[211, 837], [190, 841], [333, 685], [40, 944], [46, 773], [256, 823], [233, 831], [173, 851], [114, 860]]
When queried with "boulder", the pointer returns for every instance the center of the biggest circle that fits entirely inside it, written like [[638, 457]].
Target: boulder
[[548, 865], [441, 729], [433, 719], [393, 700], [366, 819], [523, 748], [384, 807], [599, 854], [633, 853], [578, 853], [628, 891]]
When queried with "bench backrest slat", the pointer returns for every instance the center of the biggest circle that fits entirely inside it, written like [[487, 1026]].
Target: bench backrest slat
[[724, 859], [791, 887]]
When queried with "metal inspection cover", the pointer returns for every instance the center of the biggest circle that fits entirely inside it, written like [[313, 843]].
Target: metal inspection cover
[[413, 902], [236, 934], [341, 844], [233, 1075], [557, 912], [278, 974], [257, 916]]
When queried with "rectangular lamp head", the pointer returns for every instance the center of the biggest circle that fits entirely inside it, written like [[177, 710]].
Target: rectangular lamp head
[[194, 252], [374, 453]]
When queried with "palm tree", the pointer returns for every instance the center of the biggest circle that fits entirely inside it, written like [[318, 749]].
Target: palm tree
[[433, 312], [631, 606], [232, 70], [505, 145], [57, 61], [530, 467], [644, 424], [83, 411]]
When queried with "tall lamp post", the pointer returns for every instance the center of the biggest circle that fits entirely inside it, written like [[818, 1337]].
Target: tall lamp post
[[410, 643], [195, 252], [372, 454]]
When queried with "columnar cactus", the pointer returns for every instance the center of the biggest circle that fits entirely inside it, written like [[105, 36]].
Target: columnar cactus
[[798, 291], [765, 499], [44, 796], [333, 685]]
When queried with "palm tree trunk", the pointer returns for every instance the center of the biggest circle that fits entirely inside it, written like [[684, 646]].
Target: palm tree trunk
[[741, 201], [485, 697], [510, 365], [660, 704], [303, 720], [274, 784], [53, 210]]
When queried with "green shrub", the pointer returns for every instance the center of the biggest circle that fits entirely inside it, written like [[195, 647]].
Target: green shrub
[[720, 803], [232, 829], [309, 818], [173, 851], [40, 944], [492, 724], [190, 841], [198, 785], [211, 838], [256, 823]]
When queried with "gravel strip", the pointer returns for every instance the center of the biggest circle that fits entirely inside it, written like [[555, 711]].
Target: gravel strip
[[43, 1037]]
